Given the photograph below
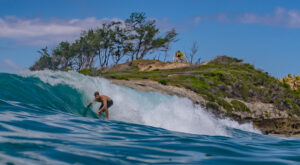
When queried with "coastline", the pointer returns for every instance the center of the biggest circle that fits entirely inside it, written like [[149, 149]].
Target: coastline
[[273, 125]]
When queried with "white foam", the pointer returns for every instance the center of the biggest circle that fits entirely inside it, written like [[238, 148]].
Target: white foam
[[148, 108]]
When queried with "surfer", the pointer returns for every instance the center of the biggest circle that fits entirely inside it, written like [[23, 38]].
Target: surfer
[[106, 103]]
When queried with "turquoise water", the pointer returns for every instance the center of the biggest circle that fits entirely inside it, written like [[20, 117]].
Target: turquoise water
[[42, 121]]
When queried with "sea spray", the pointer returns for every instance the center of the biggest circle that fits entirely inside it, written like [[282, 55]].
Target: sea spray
[[147, 108]]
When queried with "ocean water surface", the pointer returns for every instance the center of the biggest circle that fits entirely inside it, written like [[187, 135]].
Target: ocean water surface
[[43, 120]]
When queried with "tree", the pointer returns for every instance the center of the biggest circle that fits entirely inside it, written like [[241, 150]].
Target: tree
[[143, 35], [45, 61], [193, 52], [136, 37], [84, 50], [120, 47], [63, 55], [78, 59], [105, 37]]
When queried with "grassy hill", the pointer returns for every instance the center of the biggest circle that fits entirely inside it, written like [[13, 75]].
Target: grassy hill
[[225, 83]]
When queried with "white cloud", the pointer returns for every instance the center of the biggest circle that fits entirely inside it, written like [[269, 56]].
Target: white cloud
[[51, 31], [164, 24], [294, 19], [223, 18], [39, 32], [7, 65], [197, 19], [281, 17]]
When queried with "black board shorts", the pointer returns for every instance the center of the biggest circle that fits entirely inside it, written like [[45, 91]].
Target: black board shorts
[[109, 104]]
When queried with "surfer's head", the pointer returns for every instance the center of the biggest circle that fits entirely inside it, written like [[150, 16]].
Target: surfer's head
[[96, 93]]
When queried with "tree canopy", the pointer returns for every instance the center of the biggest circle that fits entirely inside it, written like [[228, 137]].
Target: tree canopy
[[135, 38]]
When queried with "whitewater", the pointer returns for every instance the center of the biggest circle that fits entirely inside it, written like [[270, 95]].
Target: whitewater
[[43, 121]]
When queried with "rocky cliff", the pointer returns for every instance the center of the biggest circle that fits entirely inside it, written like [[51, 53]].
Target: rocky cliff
[[225, 86]]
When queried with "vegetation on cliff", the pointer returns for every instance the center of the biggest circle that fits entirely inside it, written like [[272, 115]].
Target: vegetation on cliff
[[223, 77]]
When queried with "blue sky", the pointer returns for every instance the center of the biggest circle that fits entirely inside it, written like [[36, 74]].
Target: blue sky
[[264, 33]]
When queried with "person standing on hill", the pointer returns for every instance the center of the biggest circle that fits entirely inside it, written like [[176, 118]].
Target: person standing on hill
[[106, 103]]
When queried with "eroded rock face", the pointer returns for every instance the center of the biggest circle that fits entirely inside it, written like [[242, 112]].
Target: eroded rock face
[[153, 86], [286, 127], [260, 110], [264, 116]]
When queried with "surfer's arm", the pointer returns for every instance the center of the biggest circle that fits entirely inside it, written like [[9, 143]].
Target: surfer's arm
[[90, 104], [104, 102]]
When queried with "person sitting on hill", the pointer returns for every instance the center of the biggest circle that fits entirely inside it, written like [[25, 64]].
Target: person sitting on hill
[[179, 56]]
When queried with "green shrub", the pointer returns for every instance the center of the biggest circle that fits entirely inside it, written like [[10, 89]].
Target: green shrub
[[267, 99], [249, 66], [237, 60], [292, 104], [266, 114], [245, 90], [225, 105], [66, 70], [277, 102], [286, 85], [163, 82], [212, 105], [87, 72], [292, 117], [239, 106], [122, 78], [209, 96], [100, 71]]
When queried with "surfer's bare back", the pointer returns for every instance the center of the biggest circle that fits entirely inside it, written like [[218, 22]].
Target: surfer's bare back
[[106, 103]]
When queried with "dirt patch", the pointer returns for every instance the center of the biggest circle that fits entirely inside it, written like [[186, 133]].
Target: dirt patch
[[149, 65], [162, 66], [119, 67]]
